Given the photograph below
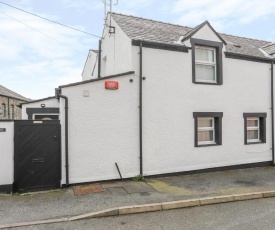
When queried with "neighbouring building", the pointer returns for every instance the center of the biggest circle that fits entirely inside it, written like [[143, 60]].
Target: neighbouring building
[[10, 104], [90, 69], [41, 109], [166, 99]]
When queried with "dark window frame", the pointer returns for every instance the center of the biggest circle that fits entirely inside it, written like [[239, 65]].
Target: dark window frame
[[47, 110], [219, 70], [3, 106], [218, 127], [262, 118]]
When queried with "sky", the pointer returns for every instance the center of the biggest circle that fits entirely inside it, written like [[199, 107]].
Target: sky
[[37, 56]]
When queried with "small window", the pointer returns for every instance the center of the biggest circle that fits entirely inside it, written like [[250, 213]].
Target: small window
[[206, 62], [46, 117], [208, 128], [254, 128], [3, 109]]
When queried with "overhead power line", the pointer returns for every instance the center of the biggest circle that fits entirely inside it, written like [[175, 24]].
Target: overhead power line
[[33, 28], [50, 20]]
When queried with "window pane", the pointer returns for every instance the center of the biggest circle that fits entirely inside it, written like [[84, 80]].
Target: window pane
[[206, 135], [200, 136], [199, 71], [205, 72], [252, 134], [204, 55], [253, 123], [205, 122]]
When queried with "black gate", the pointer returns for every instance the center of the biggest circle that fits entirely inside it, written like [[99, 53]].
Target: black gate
[[36, 155]]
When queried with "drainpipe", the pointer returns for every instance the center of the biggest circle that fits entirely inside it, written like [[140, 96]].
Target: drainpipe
[[272, 111], [140, 109], [99, 59], [58, 95]]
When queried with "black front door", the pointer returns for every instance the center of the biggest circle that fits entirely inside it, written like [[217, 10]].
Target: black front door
[[36, 155]]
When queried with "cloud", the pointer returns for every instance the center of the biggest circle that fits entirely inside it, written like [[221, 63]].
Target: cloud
[[83, 5], [219, 12], [44, 56], [132, 7]]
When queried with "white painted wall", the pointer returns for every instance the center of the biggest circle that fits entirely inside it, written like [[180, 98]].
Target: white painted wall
[[52, 103], [116, 48], [91, 66], [170, 98], [6, 153], [103, 130]]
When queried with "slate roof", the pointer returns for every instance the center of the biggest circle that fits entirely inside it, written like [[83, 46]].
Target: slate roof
[[9, 93], [270, 49], [138, 28]]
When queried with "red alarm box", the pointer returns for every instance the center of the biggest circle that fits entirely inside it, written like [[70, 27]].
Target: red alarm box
[[111, 85]]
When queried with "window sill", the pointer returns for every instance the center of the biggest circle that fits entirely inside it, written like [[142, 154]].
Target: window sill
[[256, 142], [206, 83], [207, 145]]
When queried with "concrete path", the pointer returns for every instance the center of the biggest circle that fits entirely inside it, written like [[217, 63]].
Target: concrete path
[[164, 190]]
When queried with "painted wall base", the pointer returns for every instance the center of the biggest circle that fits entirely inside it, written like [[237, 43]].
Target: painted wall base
[[223, 168], [232, 167], [6, 188]]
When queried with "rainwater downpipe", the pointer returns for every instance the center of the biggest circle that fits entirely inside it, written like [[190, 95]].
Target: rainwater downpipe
[[99, 59], [272, 110], [66, 135], [140, 109]]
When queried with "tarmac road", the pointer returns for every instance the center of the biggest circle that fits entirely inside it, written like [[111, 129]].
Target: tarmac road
[[253, 214]]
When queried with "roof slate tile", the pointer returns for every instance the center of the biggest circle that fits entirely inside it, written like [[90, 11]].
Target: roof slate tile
[[160, 32]]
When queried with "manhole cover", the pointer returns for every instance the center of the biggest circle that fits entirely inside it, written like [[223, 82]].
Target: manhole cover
[[89, 189]]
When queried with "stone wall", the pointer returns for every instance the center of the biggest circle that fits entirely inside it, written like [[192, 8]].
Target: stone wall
[[14, 112]]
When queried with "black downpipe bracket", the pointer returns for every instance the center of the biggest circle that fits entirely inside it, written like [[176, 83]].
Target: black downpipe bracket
[[58, 95], [272, 110], [140, 109], [99, 59]]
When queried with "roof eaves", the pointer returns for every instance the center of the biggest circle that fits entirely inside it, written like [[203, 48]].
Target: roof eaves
[[42, 99], [97, 79], [16, 98], [248, 57]]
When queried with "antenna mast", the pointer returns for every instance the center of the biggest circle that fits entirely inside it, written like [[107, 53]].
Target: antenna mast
[[111, 6], [105, 12]]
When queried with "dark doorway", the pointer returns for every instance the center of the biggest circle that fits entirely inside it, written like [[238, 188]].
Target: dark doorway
[[36, 155]]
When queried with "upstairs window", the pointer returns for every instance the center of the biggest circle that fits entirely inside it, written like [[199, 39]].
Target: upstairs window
[[206, 62], [205, 59]]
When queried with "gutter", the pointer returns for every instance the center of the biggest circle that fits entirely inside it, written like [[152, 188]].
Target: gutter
[[272, 110], [58, 95]]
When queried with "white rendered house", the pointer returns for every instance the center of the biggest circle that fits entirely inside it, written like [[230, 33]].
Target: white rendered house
[[162, 98]]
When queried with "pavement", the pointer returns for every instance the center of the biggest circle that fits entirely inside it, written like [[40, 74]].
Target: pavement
[[152, 194]]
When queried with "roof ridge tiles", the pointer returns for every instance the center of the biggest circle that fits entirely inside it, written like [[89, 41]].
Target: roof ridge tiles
[[153, 20]]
